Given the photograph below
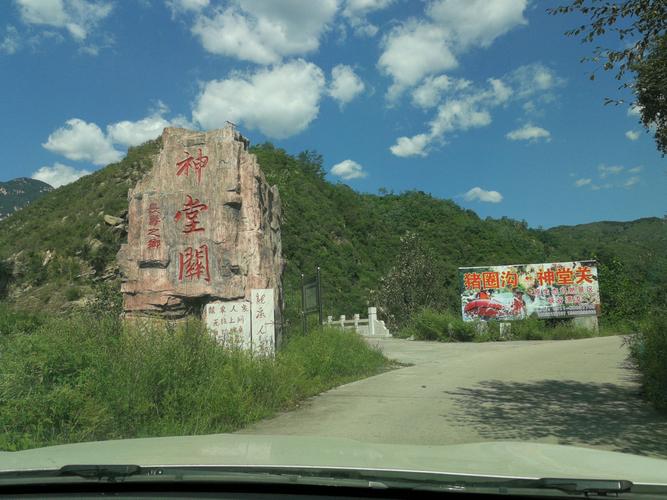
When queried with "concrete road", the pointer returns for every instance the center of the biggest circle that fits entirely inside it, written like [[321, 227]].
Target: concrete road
[[576, 392]]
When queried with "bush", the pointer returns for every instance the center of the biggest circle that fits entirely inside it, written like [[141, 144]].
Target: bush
[[442, 326], [91, 378], [447, 327], [17, 322], [648, 351], [72, 293]]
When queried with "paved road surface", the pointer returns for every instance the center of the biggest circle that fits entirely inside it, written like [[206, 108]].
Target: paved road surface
[[577, 392]]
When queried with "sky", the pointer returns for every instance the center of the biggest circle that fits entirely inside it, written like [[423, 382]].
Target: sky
[[484, 102]]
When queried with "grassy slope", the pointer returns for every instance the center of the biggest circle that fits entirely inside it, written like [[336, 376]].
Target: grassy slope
[[84, 378]]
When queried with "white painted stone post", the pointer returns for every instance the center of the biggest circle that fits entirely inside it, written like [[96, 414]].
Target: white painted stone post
[[356, 322], [329, 320], [342, 321], [372, 318]]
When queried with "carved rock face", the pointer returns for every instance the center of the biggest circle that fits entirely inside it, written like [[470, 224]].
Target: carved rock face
[[203, 225]]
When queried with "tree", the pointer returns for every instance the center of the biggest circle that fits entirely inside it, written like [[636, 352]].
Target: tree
[[651, 92], [414, 282], [641, 29]]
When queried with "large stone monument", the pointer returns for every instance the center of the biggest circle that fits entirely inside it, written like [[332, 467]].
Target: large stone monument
[[203, 228]]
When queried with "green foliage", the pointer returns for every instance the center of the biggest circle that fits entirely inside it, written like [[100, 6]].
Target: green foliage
[[445, 326], [413, 283], [642, 23], [355, 238], [87, 377], [73, 293], [651, 92], [648, 351], [17, 322], [6, 276], [64, 220], [17, 193]]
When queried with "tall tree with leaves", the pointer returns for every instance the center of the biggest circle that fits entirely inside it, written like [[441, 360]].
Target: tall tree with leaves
[[641, 27], [415, 281]]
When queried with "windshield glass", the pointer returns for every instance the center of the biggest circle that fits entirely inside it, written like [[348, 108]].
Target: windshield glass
[[357, 234]]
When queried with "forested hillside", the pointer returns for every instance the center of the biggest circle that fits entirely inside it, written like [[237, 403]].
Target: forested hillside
[[54, 249]]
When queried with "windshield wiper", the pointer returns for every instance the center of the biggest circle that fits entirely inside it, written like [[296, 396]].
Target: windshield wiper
[[600, 487], [100, 472]]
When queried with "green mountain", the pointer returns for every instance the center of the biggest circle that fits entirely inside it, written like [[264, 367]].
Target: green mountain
[[17, 193], [57, 247]]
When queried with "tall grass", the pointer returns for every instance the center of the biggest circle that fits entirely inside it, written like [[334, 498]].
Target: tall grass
[[83, 378], [648, 352]]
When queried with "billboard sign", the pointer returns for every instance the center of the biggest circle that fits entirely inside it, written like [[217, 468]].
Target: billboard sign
[[551, 290]]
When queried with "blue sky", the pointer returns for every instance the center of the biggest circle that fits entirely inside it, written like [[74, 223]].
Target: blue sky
[[481, 101]]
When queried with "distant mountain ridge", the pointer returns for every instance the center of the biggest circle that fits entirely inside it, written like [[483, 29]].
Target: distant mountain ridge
[[68, 239], [17, 193]]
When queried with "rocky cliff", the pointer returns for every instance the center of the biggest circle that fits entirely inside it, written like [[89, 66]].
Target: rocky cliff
[[203, 225]]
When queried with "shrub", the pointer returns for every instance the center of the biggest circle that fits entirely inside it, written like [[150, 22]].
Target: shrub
[[72, 293], [447, 327], [648, 351], [443, 326]]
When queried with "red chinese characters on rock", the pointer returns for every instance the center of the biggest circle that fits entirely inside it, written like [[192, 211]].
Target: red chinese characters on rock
[[154, 231], [197, 164], [191, 210], [193, 264]]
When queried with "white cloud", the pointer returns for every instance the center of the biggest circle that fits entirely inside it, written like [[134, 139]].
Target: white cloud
[[633, 135], [429, 93], [420, 48], [355, 11], [410, 146], [81, 141], [529, 133], [11, 43], [129, 133], [58, 174], [479, 194], [78, 17], [477, 22], [470, 110], [345, 84], [605, 171], [348, 169], [534, 80], [180, 6], [411, 52], [265, 31], [280, 101]]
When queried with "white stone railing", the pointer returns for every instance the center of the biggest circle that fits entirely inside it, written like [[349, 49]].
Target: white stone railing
[[369, 327]]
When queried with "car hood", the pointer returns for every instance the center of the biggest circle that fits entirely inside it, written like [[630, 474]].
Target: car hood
[[501, 459]]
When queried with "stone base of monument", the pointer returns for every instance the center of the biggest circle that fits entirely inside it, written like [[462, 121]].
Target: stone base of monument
[[244, 324]]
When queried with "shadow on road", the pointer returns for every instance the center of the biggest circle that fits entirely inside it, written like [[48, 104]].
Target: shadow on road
[[576, 413]]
